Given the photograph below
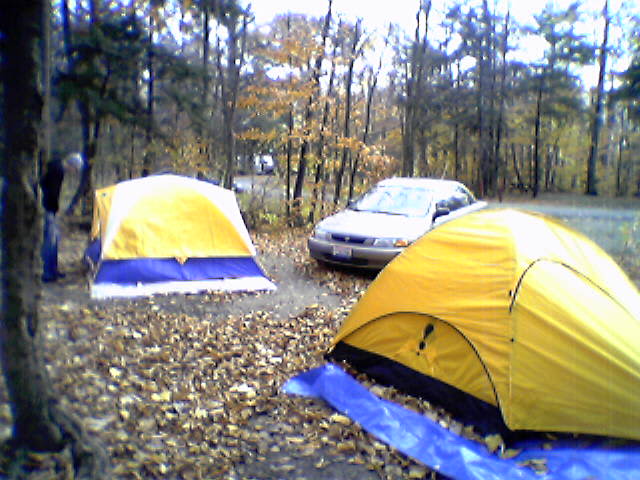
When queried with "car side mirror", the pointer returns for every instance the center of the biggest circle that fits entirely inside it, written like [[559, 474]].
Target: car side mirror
[[441, 212]]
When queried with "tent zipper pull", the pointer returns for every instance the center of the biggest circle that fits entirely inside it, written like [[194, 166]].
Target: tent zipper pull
[[427, 331]]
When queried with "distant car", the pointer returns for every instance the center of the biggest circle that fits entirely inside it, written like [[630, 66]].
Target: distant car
[[375, 228], [264, 164]]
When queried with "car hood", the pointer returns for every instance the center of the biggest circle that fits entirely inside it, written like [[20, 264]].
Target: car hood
[[375, 225]]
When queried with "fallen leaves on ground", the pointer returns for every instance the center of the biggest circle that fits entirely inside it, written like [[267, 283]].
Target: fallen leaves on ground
[[175, 389]]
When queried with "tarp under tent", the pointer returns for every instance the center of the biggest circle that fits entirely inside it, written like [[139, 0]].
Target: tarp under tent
[[166, 234], [427, 440], [510, 321]]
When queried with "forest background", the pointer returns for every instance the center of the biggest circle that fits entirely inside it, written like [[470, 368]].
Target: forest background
[[196, 87]]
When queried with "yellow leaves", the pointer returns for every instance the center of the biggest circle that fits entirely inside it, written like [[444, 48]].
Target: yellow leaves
[[93, 424], [189, 387], [200, 413], [539, 465], [341, 419], [246, 390], [494, 442], [510, 453], [161, 397], [418, 471]]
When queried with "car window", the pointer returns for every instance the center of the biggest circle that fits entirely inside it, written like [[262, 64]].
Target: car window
[[395, 200], [455, 200]]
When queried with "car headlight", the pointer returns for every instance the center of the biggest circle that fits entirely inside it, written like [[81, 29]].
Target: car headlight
[[321, 234], [390, 242]]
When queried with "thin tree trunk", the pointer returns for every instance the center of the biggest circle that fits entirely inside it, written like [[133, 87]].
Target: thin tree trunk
[[90, 129], [230, 84], [205, 54], [46, 60], [373, 82], [596, 120], [536, 147], [346, 152], [413, 90], [500, 121], [304, 147], [148, 158], [318, 183], [620, 189]]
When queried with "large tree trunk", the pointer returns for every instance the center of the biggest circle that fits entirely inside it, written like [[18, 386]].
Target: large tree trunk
[[21, 360], [39, 424]]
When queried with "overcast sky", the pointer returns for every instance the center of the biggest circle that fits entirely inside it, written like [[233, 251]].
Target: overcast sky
[[377, 14]]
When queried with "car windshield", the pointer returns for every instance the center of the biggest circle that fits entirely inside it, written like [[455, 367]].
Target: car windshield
[[395, 200]]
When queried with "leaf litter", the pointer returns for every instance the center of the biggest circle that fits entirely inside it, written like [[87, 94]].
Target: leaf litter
[[189, 386]]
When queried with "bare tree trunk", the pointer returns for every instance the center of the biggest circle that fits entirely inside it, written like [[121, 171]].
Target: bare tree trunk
[[39, 424], [206, 30], [536, 149], [148, 158], [413, 90], [318, 183], [230, 84], [46, 60], [346, 152], [373, 83], [90, 129], [500, 121], [596, 120], [304, 147], [288, 156], [485, 103], [621, 189]]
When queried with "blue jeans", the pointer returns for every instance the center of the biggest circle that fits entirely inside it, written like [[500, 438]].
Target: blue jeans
[[49, 250]]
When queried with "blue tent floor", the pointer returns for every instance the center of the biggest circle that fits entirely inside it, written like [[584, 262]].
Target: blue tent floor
[[453, 456]]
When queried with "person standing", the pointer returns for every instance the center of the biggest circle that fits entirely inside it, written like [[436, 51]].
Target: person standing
[[51, 185]]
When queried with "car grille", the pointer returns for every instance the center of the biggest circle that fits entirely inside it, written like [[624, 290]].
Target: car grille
[[349, 239]]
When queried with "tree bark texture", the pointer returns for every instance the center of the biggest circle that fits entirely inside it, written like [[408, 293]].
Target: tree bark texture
[[308, 117], [39, 424], [596, 121], [22, 364], [346, 152]]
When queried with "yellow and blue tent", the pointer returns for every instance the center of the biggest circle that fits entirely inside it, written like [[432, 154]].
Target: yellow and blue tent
[[168, 233], [508, 320]]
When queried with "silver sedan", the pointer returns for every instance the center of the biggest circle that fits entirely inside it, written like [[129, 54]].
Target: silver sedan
[[372, 230]]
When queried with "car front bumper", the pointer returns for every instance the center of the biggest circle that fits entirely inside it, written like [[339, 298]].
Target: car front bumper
[[339, 253]]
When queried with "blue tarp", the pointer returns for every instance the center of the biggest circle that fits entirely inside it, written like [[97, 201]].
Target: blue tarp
[[426, 441]]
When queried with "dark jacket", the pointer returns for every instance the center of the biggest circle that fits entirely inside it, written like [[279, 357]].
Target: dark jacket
[[51, 184]]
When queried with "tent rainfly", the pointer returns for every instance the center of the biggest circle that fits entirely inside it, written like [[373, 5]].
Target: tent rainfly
[[166, 234], [510, 321]]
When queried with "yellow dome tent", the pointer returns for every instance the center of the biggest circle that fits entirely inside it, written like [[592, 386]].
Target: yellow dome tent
[[168, 233], [505, 318]]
